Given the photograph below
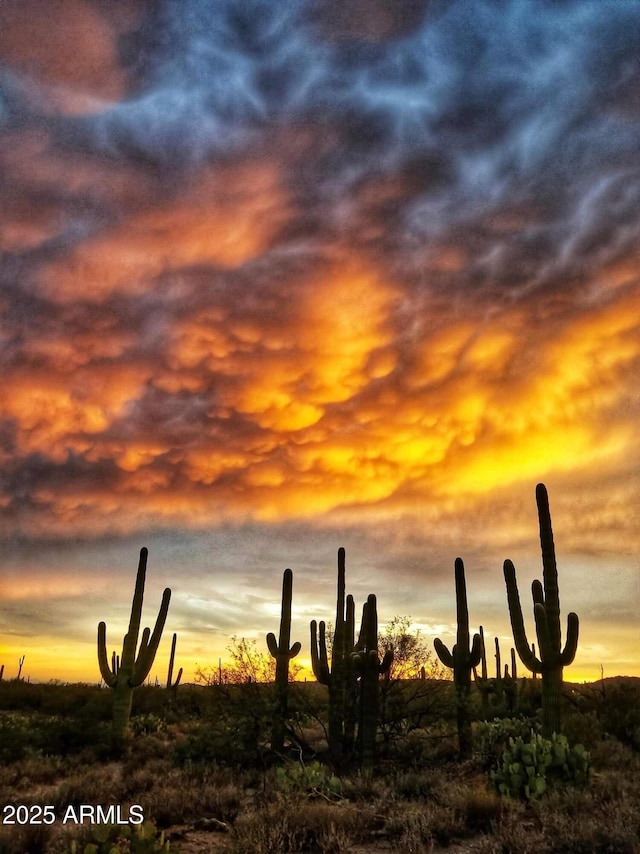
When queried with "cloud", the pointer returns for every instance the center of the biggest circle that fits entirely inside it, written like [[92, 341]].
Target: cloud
[[295, 267]]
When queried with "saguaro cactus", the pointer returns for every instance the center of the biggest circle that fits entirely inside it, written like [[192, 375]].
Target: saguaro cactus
[[172, 657], [546, 609], [129, 671], [340, 676], [461, 659], [368, 668], [283, 654]]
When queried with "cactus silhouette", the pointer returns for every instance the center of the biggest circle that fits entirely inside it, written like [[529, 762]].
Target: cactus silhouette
[[339, 676], [552, 658], [368, 668], [462, 659], [20, 663], [128, 671], [283, 653], [484, 685], [172, 657]]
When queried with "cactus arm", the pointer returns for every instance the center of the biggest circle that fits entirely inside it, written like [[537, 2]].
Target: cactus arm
[[324, 655], [319, 663], [172, 658], [341, 585], [272, 644], [160, 621], [549, 567], [517, 622], [461, 648], [443, 654], [483, 657], [295, 649], [136, 607], [498, 660], [361, 643], [548, 654], [144, 642], [110, 676], [537, 592], [475, 655], [148, 653], [571, 645]]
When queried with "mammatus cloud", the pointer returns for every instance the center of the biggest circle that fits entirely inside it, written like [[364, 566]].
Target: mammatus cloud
[[279, 264]]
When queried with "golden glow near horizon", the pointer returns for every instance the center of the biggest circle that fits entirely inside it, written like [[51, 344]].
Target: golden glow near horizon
[[323, 310]]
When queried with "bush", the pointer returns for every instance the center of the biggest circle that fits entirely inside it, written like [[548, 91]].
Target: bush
[[530, 768], [619, 714], [311, 779], [287, 826]]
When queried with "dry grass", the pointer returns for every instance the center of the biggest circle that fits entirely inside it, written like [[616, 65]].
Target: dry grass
[[416, 802]]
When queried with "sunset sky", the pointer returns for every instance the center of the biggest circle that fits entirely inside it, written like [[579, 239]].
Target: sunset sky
[[279, 277]]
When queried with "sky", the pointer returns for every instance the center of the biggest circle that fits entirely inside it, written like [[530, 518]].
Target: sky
[[283, 277]]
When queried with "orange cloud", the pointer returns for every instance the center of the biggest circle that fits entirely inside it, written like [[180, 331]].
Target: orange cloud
[[227, 216], [54, 414]]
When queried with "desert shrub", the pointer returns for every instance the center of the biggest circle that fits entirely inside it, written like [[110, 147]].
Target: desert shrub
[[286, 826], [99, 784], [407, 701], [146, 724], [15, 737], [416, 827], [591, 820], [185, 795], [23, 734], [312, 779], [436, 745], [62, 736], [479, 808], [413, 784], [34, 838], [582, 727], [619, 714], [512, 835], [612, 754], [233, 736], [528, 768]]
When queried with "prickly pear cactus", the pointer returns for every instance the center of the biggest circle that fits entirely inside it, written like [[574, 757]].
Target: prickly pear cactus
[[529, 768]]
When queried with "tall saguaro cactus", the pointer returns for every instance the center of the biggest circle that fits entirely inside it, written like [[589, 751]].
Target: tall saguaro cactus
[[546, 610], [462, 659], [283, 653], [339, 676], [368, 668], [130, 670]]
